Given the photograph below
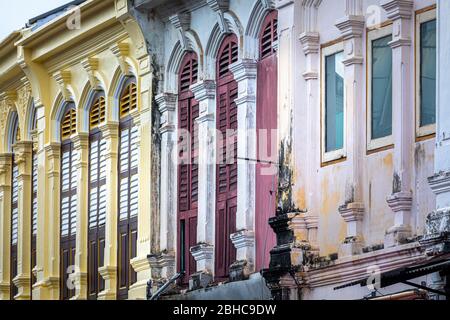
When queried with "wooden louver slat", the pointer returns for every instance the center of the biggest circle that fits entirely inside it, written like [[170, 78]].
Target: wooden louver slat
[[128, 101], [98, 113], [69, 124], [269, 36]]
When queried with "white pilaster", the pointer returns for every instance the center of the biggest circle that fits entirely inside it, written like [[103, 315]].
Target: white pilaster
[[245, 72], [400, 12], [163, 263], [352, 28], [205, 93]]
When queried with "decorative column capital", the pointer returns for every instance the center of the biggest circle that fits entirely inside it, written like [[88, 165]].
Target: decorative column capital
[[244, 69], [53, 150], [81, 141], [204, 90], [398, 9], [167, 107], [310, 42], [280, 4], [166, 102], [351, 26], [243, 239], [110, 130], [352, 212], [202, 251], [401, 201]]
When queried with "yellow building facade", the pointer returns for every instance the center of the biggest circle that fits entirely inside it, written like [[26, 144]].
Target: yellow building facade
[[76, 120]]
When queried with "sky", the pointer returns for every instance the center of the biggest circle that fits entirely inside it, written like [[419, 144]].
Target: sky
[[14, 14]]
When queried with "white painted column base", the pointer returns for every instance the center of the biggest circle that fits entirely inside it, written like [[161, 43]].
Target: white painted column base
[[353, 214], [401, 204]]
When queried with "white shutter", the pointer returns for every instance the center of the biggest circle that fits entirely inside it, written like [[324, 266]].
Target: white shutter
[[35, 187], [15, 210]]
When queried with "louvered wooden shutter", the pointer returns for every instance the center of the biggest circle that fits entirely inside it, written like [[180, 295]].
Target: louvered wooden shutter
[[266, 119], [227, 121], [68, 213], [34, 214], [269, 35], [14, 225], [128, 204], [188, 169], [128, 100], [97, 211], [69, 124], [98, 112]]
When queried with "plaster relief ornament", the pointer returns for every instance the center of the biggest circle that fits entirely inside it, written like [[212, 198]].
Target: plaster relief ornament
[[23, 99]]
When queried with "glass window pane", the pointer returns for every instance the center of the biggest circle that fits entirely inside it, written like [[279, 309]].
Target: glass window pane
[[428, 73], [381, 88], [334, 102]]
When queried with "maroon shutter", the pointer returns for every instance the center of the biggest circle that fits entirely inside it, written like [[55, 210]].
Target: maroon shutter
[[188, 112], [68, 212], [266, 119], [227, 93], [97, 202], [128, 191]]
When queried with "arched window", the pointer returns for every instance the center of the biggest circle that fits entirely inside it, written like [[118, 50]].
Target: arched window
[[15, 137], [34, 203], [68, 199], [266, 124], [227, 93], [97, 196], [188, 112], [128, 188]]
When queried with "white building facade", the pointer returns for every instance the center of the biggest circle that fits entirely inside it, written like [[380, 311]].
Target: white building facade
[[360, 127]]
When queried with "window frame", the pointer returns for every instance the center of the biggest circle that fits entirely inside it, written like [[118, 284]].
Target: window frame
[[422, 16], [374, 145], [328, 50]]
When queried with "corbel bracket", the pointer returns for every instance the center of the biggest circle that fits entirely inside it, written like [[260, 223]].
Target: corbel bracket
[[182, 22], [220, 7], [121, 51], [63, 79], [90, 65]]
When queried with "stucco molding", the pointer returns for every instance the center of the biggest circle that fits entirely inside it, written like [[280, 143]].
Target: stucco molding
[[167, 107], [401, 201], [310, 42], [220, 7], [356, 267], [351, 26], [121, 51], [64, 78], [398, 9], [440, 182], [182, 23]]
